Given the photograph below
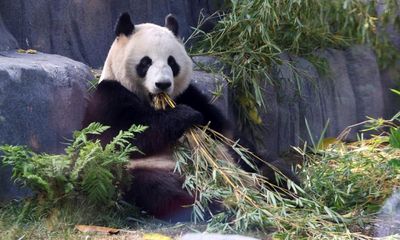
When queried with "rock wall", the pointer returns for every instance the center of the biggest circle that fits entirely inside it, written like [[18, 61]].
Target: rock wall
[[351, 90], [41, 104], [389, 217], [7, 41], [83, 29]]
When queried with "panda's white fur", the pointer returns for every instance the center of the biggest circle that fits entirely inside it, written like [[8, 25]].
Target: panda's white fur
[[127, 51]]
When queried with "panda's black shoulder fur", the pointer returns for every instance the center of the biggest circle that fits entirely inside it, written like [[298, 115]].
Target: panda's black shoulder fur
[[113, 105], [193, 97]]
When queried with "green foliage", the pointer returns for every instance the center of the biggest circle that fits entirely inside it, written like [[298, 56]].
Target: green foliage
[[395, 163], [87, 169], [396, 91], [251, 36], [354, 179], [394, 138], [251, 201], [346, 179], [344, 186]]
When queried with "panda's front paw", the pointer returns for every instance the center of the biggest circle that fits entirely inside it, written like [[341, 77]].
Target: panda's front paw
[[188, 115]]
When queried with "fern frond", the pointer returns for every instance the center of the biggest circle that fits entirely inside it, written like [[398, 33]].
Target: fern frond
[[123, 137], [87, 154], [81, 137], [86, 170], [97, 183], [93, 128]]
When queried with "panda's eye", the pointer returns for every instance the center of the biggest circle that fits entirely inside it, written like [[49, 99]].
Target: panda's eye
[[143, 66], [174, 65]]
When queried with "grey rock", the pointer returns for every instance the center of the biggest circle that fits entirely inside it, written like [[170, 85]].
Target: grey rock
[[83, 30], [268, 143], [365, 79], [389, 30], [339, 103], [351, 90], [209, 83], [311, 101], [390, 80], [7, 41], [213, 236], [208, 62], [390, 76], [288, 123], [389, 217], [42, 101]]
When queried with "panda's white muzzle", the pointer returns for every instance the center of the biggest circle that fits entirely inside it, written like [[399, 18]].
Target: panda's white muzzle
[[159, 78]]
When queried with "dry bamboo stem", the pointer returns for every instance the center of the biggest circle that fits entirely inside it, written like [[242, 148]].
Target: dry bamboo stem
[[198, 144]]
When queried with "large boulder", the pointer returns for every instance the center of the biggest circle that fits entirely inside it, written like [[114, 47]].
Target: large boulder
[[299, 108], [365, 80], [7, 41], [390, 80], [212, 85], [83, 30], [42, 101], [389, 217]]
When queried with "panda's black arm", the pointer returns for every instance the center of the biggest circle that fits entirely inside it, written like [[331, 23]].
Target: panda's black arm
[[211, 114], [113, 105]]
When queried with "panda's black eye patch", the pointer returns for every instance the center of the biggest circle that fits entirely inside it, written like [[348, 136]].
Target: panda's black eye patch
[[174, 65], [143, 66]]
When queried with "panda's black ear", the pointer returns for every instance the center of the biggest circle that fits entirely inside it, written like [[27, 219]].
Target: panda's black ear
[[172, 24], [124, 25]]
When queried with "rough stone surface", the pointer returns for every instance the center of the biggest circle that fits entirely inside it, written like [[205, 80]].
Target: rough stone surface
[[390, 80], [389, 217], [391, 30], [41, 104], [311, 102], [365, 81], [207, 83], [269, 145], [337, 95], [7, 41], [351, 90], [83, 29]]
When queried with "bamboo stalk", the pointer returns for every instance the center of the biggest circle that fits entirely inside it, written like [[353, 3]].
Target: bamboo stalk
[[198, 145]]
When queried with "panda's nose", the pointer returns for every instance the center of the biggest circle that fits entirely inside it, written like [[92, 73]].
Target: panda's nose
[[163, 85]]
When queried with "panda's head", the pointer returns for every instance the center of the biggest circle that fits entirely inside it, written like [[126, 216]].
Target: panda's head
[[148, 59]]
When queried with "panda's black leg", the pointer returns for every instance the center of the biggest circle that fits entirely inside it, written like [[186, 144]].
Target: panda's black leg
[[267, 166], [281, 166], [160, 194]]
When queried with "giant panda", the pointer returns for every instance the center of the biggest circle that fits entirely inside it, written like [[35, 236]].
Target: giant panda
[[144, 60]]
